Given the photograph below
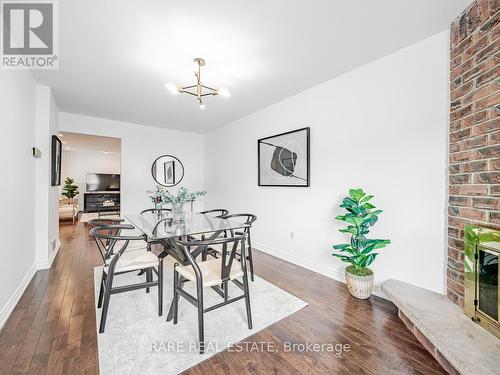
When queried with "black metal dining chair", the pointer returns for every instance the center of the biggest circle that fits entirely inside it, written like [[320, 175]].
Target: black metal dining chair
[[211, 274], [101, 221], [248, 219], [217, 212], [119, 261], [157, 210]]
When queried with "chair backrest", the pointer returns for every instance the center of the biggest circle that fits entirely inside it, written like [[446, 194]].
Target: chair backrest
[[217, 212], [157, 210], [106, 237], [248, 219], [99, 222], [229, 252]]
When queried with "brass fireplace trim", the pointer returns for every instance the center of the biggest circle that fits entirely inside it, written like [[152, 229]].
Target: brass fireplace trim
[[476, 239]]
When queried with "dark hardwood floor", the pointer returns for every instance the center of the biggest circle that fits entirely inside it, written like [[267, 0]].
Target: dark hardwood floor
[[53, 328]]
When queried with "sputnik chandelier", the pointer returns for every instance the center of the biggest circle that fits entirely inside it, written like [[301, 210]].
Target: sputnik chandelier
[[198, 90]]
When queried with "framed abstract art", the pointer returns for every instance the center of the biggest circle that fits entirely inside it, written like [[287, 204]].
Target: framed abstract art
[[283, 159]]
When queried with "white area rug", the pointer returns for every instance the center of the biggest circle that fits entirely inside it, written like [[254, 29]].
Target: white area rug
[[134, 329]]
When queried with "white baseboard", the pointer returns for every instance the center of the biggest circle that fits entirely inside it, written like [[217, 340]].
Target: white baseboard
[[307, 264], [14, 299], [46, 265]]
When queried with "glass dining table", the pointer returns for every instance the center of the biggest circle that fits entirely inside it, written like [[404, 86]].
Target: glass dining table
[[163, 228], [158, 227]]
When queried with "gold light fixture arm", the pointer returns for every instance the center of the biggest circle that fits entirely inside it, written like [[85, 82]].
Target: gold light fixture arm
[[198, 90]]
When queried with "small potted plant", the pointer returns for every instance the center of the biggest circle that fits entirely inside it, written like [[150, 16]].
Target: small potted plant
[[70, 190], [359, 252]]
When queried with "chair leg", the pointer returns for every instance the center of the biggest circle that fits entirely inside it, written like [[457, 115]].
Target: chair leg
[[175, 303], [101, 290], [180, 283], [224, 288], [201, 330], [107, 295], [247, 300], [160, 286], [148, 277], [250, 257]]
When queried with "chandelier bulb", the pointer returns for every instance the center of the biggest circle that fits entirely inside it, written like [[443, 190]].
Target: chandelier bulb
[[224, 92], [174, 90]]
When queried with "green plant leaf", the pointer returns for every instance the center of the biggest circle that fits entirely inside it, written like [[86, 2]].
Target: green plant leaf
[[356, 194], [369, 259], [368, 249], [367, 206], [341, 246], [349, 229], [366, 198]]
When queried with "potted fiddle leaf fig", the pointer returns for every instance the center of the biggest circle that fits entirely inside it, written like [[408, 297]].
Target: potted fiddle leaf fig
[[359, 253]]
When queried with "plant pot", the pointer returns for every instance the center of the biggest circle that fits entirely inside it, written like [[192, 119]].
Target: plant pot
[[359, 286]]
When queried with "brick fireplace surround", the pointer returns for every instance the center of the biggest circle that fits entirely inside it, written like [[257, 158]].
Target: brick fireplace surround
[[474, 160]]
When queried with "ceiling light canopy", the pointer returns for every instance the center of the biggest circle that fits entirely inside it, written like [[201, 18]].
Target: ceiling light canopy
[[198, 90]]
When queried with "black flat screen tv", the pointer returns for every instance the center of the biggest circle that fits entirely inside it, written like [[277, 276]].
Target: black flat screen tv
[[103, 182]]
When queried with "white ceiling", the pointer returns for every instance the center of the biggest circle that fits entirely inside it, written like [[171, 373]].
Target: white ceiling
[[116, 55], [82, 142]]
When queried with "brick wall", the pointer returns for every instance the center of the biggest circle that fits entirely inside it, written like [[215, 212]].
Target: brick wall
[[474, 177]]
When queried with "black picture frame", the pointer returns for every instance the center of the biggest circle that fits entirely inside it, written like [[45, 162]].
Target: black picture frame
[[169, 167], [178, 173], [56, 161], [291, 159]]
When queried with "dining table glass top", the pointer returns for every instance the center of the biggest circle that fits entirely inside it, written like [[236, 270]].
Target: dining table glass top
[[161, 226]]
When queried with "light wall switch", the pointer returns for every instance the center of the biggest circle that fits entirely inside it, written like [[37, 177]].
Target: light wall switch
[[36, 153]]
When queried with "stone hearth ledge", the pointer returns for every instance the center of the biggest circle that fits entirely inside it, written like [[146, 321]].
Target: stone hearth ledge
[[469, 348]]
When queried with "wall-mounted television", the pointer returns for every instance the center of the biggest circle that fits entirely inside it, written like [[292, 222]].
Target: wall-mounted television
[[103, 182]]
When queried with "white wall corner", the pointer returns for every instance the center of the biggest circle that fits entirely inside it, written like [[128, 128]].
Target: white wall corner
[[45, 265], [16, 296]]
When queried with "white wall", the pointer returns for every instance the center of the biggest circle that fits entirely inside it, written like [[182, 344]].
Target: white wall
[[47, 196], [17, 197], [77, 163], [382, 127], [141, 145]]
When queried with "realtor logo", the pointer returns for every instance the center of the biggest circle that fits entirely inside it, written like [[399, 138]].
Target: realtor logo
[[29, 35]]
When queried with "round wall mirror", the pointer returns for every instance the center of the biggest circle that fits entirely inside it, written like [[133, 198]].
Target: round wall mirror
[[167, 170]]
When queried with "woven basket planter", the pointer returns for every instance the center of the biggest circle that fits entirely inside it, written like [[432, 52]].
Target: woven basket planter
[[359, 286]]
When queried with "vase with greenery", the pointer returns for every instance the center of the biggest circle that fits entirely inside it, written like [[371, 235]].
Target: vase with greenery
[[70, 190], [179, 200], [161, 195], [359, 253]]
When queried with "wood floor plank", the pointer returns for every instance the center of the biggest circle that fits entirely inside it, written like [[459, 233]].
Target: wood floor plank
[[52, 330]]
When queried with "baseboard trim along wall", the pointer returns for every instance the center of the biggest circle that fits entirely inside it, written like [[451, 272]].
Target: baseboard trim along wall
[[14, 299], [46, 265], [302, 262]]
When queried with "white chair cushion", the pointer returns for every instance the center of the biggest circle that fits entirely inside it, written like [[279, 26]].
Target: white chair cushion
[[134, 260], [211, 272]]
